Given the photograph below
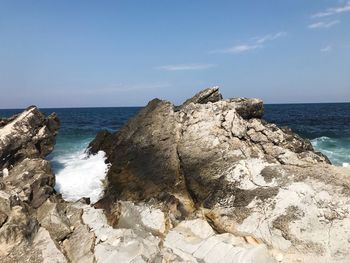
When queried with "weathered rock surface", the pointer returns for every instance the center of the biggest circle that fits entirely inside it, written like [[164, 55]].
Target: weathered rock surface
[[204, 96], [195, 241], [26, 182], [27, 135], [218, 160], [36, 225]]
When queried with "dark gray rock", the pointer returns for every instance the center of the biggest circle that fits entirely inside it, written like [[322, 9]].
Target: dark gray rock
[[204, 96], [144, 154], [101, 138], [249, 108]]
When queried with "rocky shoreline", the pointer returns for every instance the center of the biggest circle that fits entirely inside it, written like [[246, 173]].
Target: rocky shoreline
[[206, 181]]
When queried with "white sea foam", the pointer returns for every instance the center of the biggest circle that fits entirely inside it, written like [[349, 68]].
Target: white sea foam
[[315, 142], [81, 175], [346, 165]]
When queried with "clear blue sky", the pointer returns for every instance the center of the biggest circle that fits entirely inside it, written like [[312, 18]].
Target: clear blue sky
[[124, 53]]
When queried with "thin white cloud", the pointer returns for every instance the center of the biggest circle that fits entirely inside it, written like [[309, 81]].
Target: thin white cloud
[[333, 11], [183, 67], [323, 25], [326, 48], [270, 37], [253, 44], [238, 49]]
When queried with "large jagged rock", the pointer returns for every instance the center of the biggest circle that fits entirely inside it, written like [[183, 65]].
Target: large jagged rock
[[26, 182], [249, 108], [247, 177], [30, 181], [27, 135], [204, 96], [148, 139], [25, 139]]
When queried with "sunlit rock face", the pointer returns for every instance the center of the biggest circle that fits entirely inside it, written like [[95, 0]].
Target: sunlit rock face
[[27, 135], [219, 160]]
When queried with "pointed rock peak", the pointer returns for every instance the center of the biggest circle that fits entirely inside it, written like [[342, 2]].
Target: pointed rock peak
[[249, 108], [207, 95], [31, 107]]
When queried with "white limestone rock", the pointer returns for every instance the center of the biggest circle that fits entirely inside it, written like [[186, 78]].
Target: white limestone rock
[[49, 251], [118, 245], [141, 216], [195, 241]]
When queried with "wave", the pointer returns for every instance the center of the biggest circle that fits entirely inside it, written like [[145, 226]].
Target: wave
[[336, 149], [80, 175]]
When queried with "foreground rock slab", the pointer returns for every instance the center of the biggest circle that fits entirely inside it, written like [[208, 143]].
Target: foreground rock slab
[[195, 241]]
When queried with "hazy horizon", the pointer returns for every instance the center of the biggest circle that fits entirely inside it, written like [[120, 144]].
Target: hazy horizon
[[66, 54], [101, 107]]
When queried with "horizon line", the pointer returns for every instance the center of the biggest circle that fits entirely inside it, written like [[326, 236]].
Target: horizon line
[[109, 107]]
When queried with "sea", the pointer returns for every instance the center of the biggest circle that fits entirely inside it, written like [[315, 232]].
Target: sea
[[78, 175]]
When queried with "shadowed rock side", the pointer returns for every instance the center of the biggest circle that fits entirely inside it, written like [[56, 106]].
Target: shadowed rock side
[[218, 160]]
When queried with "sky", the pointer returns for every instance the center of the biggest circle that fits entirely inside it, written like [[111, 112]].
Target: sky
[[101, 53]]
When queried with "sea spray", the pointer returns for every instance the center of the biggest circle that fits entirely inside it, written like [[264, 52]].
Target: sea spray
[[81, 175]]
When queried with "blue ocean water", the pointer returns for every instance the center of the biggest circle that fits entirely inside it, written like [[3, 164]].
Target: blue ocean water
[[80, 125], [78, 175], [327, 125]]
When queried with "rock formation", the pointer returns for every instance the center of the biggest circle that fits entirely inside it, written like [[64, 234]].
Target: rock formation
[[29, 134], [37, 225], [206, 181], [219, 161], [26, 180]]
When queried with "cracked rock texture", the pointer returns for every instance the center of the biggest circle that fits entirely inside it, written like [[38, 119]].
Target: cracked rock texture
[[27, 135], [26, 182], [219, 161]]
